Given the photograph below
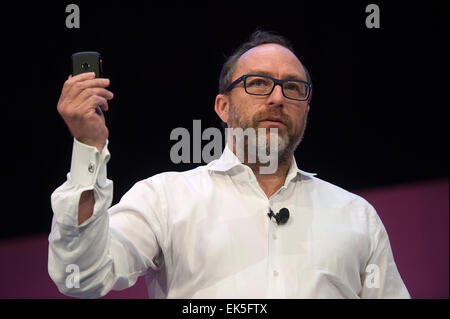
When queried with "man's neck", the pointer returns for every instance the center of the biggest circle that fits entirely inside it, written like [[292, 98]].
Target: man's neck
[[270, 183]]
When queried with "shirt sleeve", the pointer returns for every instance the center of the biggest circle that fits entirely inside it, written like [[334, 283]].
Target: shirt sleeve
[[111, 249], [381, 278]]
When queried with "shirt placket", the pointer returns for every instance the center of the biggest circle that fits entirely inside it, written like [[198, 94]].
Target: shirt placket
[[274, 241], [275, 284]]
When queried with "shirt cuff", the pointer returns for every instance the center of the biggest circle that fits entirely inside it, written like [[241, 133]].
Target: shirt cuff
[[88, 164]]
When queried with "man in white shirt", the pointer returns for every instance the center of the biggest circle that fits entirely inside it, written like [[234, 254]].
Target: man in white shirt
[[206, 233]]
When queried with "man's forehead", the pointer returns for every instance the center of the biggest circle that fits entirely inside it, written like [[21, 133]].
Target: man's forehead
[[272, 58]]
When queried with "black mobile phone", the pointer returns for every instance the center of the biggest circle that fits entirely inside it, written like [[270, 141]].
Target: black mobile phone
[[87, 61]]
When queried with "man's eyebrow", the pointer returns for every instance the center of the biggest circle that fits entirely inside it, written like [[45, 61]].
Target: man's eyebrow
[[288, 76]]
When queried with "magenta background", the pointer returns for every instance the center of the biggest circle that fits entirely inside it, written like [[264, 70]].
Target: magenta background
[[415, 216]]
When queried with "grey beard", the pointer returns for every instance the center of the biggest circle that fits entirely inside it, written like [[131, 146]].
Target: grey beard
[[253, 146], [269, 148]]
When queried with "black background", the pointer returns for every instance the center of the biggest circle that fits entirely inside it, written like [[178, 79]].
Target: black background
[[379, 114]]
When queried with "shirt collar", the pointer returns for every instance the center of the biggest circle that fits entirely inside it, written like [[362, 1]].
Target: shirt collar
[[229, 160]]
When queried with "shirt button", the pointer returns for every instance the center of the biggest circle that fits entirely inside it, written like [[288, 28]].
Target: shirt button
[[91, 168], [275, 273], [274, 236]]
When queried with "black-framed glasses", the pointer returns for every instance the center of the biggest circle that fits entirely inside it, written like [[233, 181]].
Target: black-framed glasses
[[257, 84]]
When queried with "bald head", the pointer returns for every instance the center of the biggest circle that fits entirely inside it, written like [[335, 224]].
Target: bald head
[[257, 39], [270, 59]]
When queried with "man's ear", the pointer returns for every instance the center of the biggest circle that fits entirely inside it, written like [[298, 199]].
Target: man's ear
[[222, 107]]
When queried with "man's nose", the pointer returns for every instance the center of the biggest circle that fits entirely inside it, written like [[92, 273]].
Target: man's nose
[[276, 98]]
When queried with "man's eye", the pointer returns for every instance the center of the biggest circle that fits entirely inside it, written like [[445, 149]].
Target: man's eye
[[292, 86], [258, 82]]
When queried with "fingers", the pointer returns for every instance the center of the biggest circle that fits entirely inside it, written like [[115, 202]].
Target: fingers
[[79, 86], [108, 95], [75, 84], [91, 104], [83, 76], [92, 97], [77, 78], [103, 104], [82, 94]]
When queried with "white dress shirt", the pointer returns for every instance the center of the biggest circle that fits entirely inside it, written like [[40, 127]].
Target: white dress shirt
[[205, 233]]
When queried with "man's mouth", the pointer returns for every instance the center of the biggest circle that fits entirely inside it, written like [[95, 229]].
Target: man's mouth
[[273, 120]]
